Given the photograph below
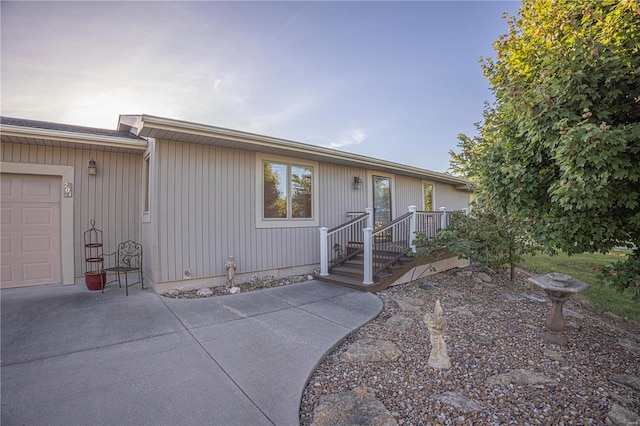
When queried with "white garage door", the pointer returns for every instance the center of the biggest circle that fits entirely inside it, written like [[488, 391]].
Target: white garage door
[[30, 233]]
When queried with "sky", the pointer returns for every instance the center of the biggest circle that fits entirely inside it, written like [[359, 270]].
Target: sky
[[397, 81]]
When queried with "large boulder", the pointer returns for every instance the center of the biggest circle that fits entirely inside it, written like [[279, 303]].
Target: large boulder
[[357, 407]]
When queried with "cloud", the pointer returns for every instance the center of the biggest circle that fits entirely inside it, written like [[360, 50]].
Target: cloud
[[261, 122], [352, 137]]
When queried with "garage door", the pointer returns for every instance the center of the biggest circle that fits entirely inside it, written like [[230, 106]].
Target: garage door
[[30, 233]]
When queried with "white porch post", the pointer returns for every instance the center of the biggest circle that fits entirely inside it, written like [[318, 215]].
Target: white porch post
[[369, 211], [412, 227], [324, 260], [368, 257], [443, 218]]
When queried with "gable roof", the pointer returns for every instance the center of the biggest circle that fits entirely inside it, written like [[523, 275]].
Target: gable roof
[[33, 132], [150, 126]]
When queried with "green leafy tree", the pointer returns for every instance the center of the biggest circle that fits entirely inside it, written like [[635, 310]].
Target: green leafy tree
[[560, 148], [484, 236]]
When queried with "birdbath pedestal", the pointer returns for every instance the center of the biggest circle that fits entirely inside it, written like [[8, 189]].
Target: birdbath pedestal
[[559, 288]]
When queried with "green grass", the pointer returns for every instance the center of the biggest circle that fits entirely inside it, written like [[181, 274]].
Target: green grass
[[581, 266]]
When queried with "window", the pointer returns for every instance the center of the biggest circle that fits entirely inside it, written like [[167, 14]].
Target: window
[[146, 188], [427, 191], [288, 197]]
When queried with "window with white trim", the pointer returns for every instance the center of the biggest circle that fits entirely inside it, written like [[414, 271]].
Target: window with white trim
[[288, 196]]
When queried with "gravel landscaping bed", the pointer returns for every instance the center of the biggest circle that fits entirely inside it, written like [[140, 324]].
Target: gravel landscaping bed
[[257, 282], [492, 329]]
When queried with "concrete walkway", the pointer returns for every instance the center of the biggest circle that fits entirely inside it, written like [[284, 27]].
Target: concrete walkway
[[75, 357]]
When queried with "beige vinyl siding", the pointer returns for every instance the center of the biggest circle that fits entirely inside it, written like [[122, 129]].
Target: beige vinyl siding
[[206, 203], [337, 195], [206, 211], [450, 197], [112, 197], [408, 193]]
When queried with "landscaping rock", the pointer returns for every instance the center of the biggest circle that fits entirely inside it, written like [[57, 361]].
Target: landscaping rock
[[620, 416], [535, 298], [521, 377], [484, 277], [357, 407], [400, 323], [572, 314], [630, 381], [409, 304], [372, 350], [234, 290], [495, 315], [481, 339], [463, 311], [204, 292], [458, 401], [630, 345], [554, 355]]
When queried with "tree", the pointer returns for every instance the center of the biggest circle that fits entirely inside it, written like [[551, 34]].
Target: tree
[[560, 147], [483, 236]]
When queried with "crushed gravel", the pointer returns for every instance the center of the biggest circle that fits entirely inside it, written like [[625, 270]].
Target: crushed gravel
[[492, 329], [256, 282]]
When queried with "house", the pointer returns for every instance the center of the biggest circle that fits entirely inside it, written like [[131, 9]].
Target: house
[[193, 195]]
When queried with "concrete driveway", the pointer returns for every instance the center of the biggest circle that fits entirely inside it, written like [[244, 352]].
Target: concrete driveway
[[75, 357]]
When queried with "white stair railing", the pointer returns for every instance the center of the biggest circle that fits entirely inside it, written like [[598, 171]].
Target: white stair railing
[[336, 244], [338, 241]]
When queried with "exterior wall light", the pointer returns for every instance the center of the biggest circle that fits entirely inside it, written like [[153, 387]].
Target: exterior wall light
[[357, 182], [92, 167]]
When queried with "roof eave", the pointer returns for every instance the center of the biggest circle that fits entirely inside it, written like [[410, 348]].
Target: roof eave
[[73, 137], [150, 122]]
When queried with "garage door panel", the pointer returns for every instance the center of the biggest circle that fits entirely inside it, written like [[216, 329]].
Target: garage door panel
[[40, 216], [7, 187], [36, 271], [30, 230], [6, 274], [6, 216], [6, 245], [37, 244], [39, 190]]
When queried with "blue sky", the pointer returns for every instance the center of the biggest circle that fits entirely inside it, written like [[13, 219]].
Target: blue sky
[[391, 80]]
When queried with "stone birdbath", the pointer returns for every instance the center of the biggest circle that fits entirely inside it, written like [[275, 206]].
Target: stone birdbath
[[559, 288]]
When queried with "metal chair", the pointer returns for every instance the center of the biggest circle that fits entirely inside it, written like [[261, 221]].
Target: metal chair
[[128, 259]]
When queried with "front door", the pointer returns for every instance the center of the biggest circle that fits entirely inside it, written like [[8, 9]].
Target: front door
[[382, 204]]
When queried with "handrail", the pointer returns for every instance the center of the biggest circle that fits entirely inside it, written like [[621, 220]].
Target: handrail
[[346, 224], [392, 223], [340, 243], [391, 242]]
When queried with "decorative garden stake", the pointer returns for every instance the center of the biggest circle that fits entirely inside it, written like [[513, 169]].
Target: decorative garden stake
[[230, 266], [437, 327], [559, 288]]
